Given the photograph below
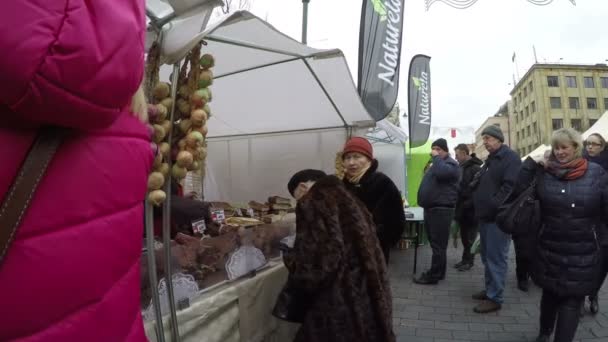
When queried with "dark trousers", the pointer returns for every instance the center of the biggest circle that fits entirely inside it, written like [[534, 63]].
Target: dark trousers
[[522, 258], [604, 271], [386, 250], [437, 222], [468, 234], [561, 310]]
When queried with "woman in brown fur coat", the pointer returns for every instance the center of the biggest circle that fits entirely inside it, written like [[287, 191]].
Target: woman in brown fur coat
[[337, 264]]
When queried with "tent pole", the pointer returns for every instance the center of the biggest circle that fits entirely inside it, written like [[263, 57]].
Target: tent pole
[[304, 20], [173, 326], [150, 255]]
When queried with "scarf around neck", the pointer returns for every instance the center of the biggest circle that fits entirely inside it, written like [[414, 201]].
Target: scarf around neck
[[567, 171], [357, 177]]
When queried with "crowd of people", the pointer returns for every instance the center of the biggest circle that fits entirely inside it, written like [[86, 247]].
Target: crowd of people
[[345, 229], [565, 256], [61, 71]]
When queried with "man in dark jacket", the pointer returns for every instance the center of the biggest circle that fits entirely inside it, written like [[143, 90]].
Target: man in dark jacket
[[437, 194], [465, 212], [494, 184], [337, 265]]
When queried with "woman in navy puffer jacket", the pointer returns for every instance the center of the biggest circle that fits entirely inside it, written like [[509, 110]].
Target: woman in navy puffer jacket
[[573, 196]]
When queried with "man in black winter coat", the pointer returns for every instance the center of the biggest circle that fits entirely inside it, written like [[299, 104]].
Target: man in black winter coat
[[465, 211], [495, 183], [437, 194]]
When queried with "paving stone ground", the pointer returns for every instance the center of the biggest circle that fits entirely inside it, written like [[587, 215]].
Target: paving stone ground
[[444, 312]]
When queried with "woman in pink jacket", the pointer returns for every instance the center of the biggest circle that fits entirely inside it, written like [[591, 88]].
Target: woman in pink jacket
[[72, 271]]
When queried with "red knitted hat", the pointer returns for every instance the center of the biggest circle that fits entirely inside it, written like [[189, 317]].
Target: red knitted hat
[[360, 145]]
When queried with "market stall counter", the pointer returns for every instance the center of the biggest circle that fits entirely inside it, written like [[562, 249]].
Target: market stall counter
[[235, 311]]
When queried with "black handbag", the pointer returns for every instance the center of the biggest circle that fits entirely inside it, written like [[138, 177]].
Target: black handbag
[[523, 214], [291, 305]]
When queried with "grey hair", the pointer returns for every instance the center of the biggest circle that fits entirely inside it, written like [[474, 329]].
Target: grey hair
[[568, 136]]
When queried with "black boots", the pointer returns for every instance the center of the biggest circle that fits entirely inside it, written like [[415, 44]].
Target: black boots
[[522, 285], [594, 306], [543, 338], [426, 279]]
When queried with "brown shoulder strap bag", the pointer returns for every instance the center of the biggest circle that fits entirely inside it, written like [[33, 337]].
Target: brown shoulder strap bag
[[19, 195]]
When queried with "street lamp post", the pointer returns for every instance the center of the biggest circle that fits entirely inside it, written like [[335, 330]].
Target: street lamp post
[[304, 20]]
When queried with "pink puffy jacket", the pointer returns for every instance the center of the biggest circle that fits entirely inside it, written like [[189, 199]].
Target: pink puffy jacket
[[72, 272]]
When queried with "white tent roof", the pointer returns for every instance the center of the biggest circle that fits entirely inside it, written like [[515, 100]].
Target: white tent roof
[[537, 152], [181, 23], [601, 127], [266, 82]]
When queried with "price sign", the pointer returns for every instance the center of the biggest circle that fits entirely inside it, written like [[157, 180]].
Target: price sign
[[199, 227], [218, 215]]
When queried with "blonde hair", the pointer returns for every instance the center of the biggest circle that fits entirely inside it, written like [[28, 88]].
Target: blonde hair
[[568, 136], [139, 104]]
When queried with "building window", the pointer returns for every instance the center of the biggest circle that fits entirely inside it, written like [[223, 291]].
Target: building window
[[532, 87], [527, 111], [553, 81], [591, 103], [519, 97], [574, 103], [571, 81], [605, 103], [604, 81], [525, 91], [535, 128], [557, 124], [521, 116], [589, 82], [577, 124], [497, 125], [533, 105], [517, 135], [556, 102], [592, 122], [528, 131]]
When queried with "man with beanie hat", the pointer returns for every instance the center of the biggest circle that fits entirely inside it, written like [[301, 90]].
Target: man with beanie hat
[[493, 184], [438, 194], [495, 132]]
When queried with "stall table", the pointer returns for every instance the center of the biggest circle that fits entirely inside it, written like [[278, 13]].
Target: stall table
[[415, 217], [236, 311]]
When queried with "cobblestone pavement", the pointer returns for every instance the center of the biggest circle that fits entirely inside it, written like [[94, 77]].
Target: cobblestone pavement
[[444, 312]]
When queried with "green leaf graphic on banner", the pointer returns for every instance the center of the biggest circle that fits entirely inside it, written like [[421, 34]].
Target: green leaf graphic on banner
[[416, 82], [379, 8]]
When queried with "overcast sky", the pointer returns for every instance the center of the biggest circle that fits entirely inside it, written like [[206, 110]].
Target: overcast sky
[[471, 49]]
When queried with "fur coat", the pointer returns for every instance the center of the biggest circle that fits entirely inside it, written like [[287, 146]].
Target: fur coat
[[338, 265]]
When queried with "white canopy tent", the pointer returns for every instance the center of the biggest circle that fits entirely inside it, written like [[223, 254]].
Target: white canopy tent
[[537, 152], [388, 142], [600, 126], [279, 106]]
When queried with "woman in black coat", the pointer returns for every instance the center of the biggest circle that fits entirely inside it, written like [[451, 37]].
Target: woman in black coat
[[375, 190], [573, 196], [595, 152]]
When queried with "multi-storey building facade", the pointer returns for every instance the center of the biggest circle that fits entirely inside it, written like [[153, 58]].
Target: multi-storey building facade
[[552, 96]]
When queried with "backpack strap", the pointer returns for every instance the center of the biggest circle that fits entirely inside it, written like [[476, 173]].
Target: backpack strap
[[24, 186]]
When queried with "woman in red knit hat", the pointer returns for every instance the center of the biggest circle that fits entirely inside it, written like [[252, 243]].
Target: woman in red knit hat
[[375, 190]]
